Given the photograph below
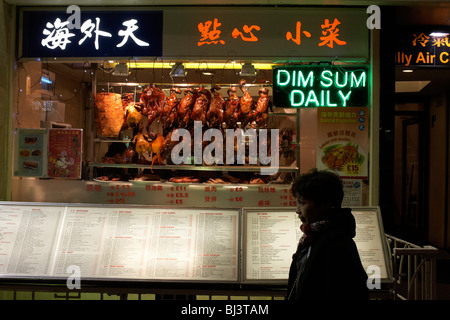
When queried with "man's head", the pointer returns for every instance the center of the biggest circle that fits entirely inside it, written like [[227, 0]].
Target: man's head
[[316, 192]]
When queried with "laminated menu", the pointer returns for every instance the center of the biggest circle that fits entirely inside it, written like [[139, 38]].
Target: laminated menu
[[118, 242], [271, 237]]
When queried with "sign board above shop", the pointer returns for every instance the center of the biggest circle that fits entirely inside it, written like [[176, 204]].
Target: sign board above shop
[[198, 33], [423, 47], [312, 86], [48, 34]]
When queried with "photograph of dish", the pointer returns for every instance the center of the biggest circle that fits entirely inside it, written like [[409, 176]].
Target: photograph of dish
[[337, 155]]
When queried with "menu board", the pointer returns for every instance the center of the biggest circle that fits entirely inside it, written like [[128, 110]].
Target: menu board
[[27, 237], [271, 238], [120, 242]]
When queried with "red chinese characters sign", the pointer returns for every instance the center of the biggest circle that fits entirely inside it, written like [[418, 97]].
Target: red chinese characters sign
[[239, 33]]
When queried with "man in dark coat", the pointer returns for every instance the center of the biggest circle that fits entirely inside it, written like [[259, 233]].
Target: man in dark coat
[[326, 265]]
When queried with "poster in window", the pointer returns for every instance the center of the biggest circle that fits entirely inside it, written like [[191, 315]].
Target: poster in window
[[30, 153], [65, 153], [343, 140]]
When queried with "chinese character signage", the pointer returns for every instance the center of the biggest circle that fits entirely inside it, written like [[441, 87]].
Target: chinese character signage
[[238, 33], [100, 34], [343, 141], [306, 86], [423, 48], [175, 33]]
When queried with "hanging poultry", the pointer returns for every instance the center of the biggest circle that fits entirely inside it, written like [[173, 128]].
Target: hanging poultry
[[156, 150], [168, 114], [245, 115], [201, 106], [230, 116], [167, 146], [214, 115], [153, 99], [141, 143], [185, 108], [133, 118], [262, 106]]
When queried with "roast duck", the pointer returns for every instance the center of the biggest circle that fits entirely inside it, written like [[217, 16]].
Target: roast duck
[[245, 115], [169, 111], [201, 106], [262, 105], [116, 112], [230, 116], [153, 99], [185, 108], [214, 114]]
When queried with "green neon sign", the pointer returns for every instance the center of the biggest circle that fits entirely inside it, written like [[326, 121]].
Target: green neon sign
[[320, 86]]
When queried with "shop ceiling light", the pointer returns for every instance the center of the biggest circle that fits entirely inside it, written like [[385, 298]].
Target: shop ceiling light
[[439, 34], [178, 71], [207, 72], [248, 69]]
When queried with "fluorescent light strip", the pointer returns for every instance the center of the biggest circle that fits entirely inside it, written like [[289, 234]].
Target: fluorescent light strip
[[192, 65]]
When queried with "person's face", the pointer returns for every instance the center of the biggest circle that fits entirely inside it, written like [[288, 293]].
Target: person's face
[[308, 211]]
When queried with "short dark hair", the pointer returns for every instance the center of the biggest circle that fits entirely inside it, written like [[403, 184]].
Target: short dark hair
[[320, 187]]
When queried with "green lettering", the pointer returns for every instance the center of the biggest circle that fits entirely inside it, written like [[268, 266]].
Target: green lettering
[[312, 98], [279, 77], [323, 76], [337, 80], [293, 95], [354, 82], [309, 78]]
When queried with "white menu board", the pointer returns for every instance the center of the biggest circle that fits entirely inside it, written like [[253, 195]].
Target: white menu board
[[144, 243], [271, 238], [27, 236]]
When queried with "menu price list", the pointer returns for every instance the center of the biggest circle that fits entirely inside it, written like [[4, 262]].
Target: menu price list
[[271, 237], [137, 243]]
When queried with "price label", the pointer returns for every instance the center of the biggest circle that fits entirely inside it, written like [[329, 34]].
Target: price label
[[351, 168]]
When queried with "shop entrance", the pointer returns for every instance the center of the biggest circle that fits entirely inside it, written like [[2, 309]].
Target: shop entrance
[[409, 173]]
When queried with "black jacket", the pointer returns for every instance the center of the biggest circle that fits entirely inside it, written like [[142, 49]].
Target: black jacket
[[333, 269]]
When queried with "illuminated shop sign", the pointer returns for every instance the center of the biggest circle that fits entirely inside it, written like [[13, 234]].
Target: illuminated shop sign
[[423, 48], [99, 34], [320, 86], [234, 34]]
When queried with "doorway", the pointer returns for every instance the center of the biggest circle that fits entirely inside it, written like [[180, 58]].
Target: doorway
[[409, 171]]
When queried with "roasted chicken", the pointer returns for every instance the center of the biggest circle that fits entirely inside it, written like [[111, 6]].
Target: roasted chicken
[[214, 115], [141, 143]]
